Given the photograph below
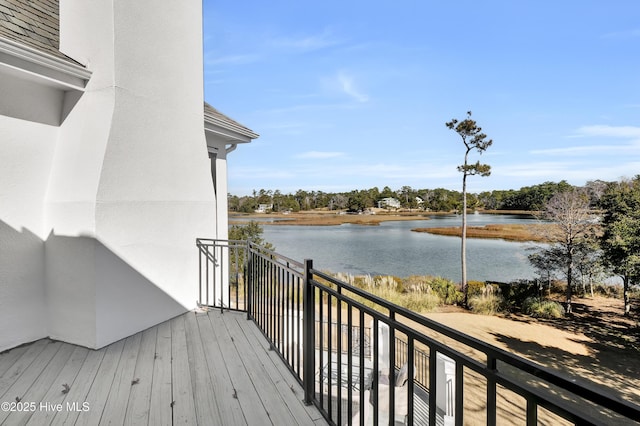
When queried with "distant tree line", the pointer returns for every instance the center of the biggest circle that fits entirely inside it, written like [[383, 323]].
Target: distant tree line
[[528, 198]]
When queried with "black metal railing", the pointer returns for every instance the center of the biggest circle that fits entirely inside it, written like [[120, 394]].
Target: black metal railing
[[364, 360], [222, 268]]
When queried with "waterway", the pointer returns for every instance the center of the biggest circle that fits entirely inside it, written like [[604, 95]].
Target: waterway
[[393, 249]]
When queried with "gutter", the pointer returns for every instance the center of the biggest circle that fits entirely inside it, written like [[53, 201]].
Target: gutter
[[41, 65]]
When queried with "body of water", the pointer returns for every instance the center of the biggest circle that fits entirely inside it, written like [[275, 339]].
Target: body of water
[[392, 249]]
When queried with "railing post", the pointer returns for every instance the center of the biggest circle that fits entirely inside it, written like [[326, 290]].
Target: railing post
[[199, 270], [308, 347], [492, 366], [248, 280]]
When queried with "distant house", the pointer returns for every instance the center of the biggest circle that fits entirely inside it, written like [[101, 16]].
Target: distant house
[[389, 203], [264, 208], [110, 167]]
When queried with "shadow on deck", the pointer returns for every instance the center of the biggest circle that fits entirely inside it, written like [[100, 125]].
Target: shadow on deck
[[198, 368]]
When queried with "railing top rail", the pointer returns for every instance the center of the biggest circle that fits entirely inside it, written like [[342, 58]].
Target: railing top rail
[[212, 241], [276, 256], [576, 386]]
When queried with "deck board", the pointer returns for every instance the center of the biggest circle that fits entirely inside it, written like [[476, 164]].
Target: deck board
[[9, 357], [18, 390], [160, 408], [43, 382], [204, 396], [183, 405], [140, 397], [284, 379], [54, 395], [101, 387], [285, 386], [205, 368], [79, 388], [229, 408], [14, 371], [243, 388], [119, 394]]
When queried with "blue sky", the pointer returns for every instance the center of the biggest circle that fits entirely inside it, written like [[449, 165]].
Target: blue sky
[[354, 94]]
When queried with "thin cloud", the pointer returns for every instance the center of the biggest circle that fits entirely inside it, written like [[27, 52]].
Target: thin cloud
[[348, 86], [241, 173], [587, 150], [627, 132], [307, 107], [543, 169], [211, 59], [630, 133], [320, 155], [575, 172], [633, 33], [306, 43]]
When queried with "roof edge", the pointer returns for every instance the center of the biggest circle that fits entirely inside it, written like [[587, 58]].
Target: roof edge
[[20, 56], [230, 126]]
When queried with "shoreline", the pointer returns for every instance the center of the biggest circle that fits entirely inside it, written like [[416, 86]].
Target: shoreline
[[324, 218], [510, 232]]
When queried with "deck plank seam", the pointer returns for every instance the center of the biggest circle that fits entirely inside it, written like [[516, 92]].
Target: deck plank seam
[[219, 331], [213, 353], [245, 341]]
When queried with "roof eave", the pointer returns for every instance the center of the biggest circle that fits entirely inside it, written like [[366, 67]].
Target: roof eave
[[51, 69], [216, 125]]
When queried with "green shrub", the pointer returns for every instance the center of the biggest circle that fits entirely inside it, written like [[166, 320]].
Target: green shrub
[[485, 304], [447, 290], [542, 308], [475, 288], [515, 293]]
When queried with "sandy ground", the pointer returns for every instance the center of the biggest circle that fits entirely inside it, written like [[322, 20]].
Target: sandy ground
[[598, 344]]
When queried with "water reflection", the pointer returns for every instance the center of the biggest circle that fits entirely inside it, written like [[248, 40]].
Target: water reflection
[[392, 248]]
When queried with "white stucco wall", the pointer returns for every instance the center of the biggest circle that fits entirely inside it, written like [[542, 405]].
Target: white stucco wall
[[26, 149], [130, 186]]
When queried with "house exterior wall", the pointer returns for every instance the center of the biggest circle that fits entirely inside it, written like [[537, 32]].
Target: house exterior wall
[[103, 192], [26, 152], [130, 187]]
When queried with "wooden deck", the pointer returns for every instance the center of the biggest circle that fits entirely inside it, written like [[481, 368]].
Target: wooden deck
[[205, 368]]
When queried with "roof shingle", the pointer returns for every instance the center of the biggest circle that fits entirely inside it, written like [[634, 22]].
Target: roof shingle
[[229, 122], [34, 23]]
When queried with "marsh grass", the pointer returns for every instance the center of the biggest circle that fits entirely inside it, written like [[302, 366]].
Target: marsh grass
[[510, 232], [416, 293]]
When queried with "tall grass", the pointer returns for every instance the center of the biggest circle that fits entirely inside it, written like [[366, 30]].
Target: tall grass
[[416, 293], [542, 308], [488, 302]]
